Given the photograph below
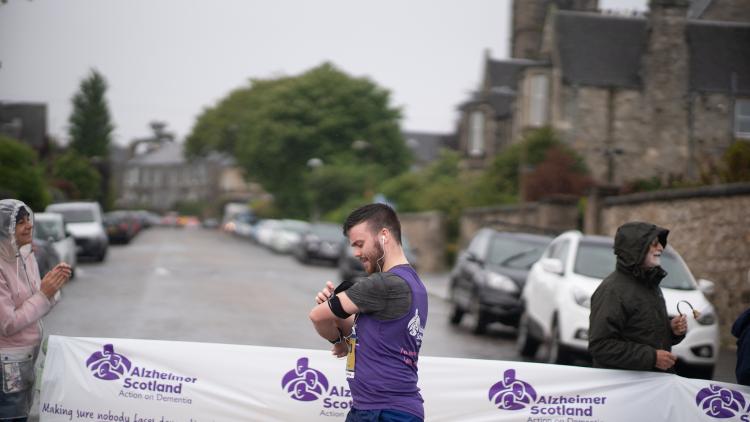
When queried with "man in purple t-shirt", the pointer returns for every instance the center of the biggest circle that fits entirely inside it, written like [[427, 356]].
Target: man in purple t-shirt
[[377, 323]]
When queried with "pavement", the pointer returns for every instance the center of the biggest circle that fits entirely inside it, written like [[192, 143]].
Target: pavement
[[436, 284]]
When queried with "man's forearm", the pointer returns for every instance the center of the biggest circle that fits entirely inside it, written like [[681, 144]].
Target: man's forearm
[[328, 329]]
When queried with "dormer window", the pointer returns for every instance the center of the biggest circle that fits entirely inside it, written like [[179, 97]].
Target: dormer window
[[538, 100], [476, 133]]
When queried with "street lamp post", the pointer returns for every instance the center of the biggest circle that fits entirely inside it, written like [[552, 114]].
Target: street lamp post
[[314, 164]]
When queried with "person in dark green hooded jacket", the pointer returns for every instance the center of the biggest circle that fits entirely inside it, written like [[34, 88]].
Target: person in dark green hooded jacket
[[629, 325]]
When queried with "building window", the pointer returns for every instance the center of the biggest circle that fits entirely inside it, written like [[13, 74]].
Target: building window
[[476, 133], [538, 104], [742, 119]]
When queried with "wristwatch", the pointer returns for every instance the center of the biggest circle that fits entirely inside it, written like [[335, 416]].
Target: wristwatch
[[338, 340]]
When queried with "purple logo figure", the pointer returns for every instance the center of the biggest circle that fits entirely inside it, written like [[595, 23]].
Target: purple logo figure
[[512, 393], [304, 383], [719, 402], [108, 365]]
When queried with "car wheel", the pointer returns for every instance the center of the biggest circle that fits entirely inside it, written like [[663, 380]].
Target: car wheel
[[456, 315], [556, 352], [526, 344], [480, 320], [102, 255]]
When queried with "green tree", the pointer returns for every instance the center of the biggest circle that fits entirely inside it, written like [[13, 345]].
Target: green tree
[[274, 126], [90, 123], [21, 177], [736, 162], [76, 177], [91, 129]]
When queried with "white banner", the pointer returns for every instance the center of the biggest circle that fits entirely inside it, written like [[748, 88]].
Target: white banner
[[91, 379]]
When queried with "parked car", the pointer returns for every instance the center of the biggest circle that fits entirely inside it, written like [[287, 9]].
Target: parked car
[[264, 230], [557, 302], [488, 277], [50, 227], [321, 241], [243, 224], [286, 235], [121, 226], [350, 266], [84, 221], [45, 254]]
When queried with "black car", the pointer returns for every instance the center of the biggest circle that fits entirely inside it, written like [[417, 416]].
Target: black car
[[320, 241], [489, 276], [350, 266]]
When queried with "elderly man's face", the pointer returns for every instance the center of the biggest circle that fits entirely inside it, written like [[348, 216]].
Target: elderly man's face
[[653, 256]]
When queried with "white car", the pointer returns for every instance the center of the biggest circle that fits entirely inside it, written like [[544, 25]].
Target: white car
[[50, 227], [84, 221], [287, 235], [557, 301]]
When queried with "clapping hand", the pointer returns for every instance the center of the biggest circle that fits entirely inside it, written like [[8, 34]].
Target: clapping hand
[[55, 278]]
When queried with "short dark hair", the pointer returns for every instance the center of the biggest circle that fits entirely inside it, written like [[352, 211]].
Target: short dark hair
[[377, 216]]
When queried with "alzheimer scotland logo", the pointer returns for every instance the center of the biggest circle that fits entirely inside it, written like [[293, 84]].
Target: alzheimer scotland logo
[[512, 393], [108, 365], [304, 383], [719, 402]]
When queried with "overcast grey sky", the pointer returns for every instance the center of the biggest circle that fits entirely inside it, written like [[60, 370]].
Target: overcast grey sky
[[169, 59]]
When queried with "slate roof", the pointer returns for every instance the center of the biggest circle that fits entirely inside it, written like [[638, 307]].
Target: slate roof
[[600, 50], [719, 56], [505, 73], [606, 50], [169, 153], [426, 146]]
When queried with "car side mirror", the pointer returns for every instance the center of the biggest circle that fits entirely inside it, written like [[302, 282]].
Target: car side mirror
[[708, 287], [473, 258], [552, 265]]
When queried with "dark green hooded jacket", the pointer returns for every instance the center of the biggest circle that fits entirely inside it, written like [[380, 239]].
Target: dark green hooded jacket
[[629, 320]]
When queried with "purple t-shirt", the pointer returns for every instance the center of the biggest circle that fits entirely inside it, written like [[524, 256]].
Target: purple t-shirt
[[387, 351]]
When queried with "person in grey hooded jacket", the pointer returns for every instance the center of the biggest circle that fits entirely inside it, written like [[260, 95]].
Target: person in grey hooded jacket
[[629, 325], [741, 330]]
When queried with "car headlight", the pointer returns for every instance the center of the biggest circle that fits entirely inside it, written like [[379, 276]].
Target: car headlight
[[707, 317], [501, 282], [582, 298]]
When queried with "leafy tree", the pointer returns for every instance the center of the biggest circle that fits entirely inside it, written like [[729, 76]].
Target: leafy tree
[[76, 177], [561, 172], [737, 162], [274, 126], [90, 123], [20, 175], [501, 180]]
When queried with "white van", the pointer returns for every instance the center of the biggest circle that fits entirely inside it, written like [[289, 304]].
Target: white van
[[84, 221]]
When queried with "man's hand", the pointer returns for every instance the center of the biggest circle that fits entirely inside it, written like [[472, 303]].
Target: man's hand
[[340, 349], [325, 294], [665, 360], [55, 279], [679, 325]]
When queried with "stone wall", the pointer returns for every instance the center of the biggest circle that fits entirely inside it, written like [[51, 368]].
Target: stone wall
[[712, 131], [551, 216], [710, 227], [426, 237]]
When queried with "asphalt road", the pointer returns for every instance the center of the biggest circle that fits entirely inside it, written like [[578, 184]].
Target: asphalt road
[[206, 286]]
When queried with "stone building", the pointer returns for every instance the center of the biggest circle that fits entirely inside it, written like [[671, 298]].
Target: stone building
[[638, 96], [163, 177], [26, 122]]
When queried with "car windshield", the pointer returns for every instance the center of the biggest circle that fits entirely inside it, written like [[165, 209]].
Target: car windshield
[[77, 216], [514, 253], [597, 260], [43, 230]]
